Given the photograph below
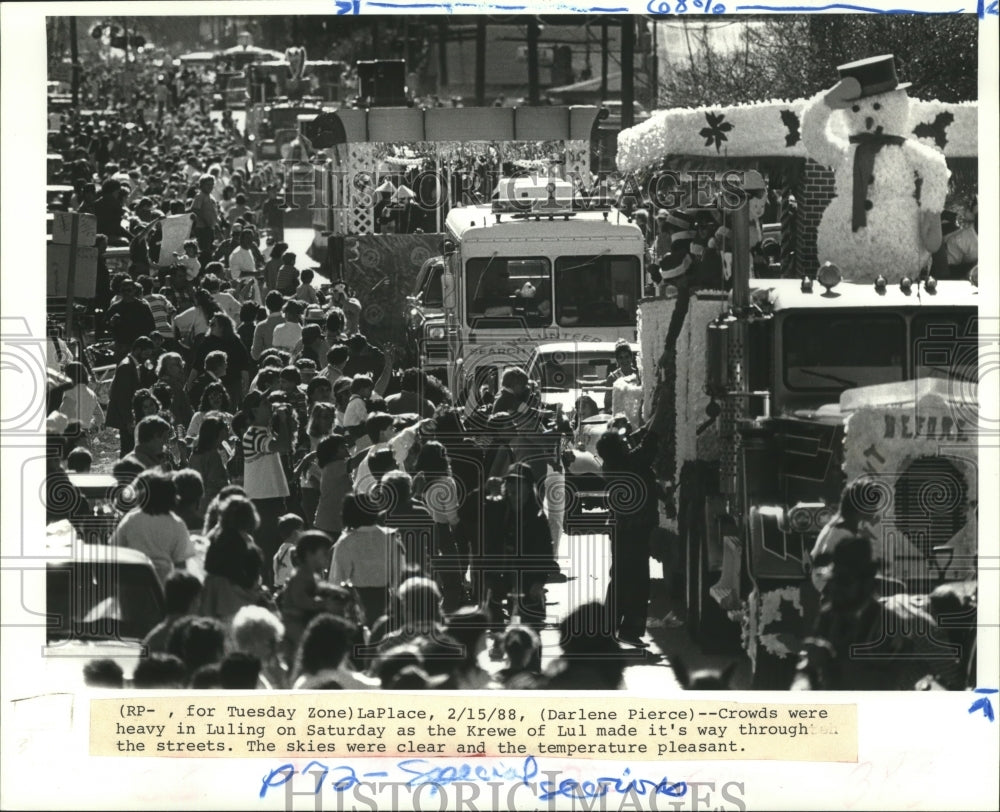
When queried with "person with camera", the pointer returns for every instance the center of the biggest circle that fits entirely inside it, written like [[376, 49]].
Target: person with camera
[[271, 433]]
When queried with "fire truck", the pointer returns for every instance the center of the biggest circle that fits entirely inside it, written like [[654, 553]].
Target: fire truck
[[537, 264]]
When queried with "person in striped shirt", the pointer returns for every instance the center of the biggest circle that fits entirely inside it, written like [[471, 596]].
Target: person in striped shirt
[[163, 310]]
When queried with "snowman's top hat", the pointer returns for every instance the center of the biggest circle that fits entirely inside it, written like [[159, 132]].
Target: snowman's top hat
[[874, 75]]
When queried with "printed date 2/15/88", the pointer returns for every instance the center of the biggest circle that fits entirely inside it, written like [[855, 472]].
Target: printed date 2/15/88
[[484, 715]]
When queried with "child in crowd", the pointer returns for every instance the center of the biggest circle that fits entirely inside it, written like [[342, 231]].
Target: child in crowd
[[79, 461], [290, 527], [305, 291], [299, 601], [189, 261]]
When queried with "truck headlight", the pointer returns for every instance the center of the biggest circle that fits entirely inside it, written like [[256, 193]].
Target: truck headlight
[[435, 333]]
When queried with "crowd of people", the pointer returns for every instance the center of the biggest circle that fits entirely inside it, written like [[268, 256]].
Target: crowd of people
[[318, 517], [355, 527]]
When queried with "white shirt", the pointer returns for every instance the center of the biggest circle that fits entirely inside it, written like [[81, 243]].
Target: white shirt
[[355, 415], [263, 475], [286, 336], [191, 266], [963, 246], [364, 482], [367, 556], [190, 324], [164, 538], [230, 306], [241, 262]]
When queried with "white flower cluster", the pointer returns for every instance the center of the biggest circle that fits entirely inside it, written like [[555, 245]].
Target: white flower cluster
[[626, 399], [760, 130]]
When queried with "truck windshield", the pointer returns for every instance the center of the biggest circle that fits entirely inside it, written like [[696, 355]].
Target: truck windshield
[[509, 287], [600, 291], [831, 352]]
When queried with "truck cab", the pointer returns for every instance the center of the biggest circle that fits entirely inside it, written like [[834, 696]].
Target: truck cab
[[535, 265]]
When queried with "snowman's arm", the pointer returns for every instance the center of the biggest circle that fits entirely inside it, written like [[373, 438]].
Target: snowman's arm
[[820, 144], [931, 167]]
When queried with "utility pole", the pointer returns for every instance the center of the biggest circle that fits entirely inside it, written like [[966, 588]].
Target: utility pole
[[533, 61], [75, 56], [604, 58], [654, 91], [442, 56], [481, 61], [628, 71]]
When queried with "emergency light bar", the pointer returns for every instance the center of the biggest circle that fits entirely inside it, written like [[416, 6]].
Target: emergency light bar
[[537, 197]]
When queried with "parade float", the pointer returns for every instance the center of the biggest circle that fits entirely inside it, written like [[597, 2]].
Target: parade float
[[784, 389], [393, 184]]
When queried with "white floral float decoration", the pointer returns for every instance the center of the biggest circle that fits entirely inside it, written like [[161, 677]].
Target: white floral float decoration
[[771, 129]]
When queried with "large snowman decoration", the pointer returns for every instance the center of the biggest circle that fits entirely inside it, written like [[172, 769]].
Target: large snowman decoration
[[886, 216]]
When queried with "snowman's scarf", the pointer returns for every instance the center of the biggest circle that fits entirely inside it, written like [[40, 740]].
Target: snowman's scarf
[[864, 163]]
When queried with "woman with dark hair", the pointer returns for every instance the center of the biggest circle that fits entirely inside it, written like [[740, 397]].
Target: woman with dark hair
[[153, 528], [322, 662], [222, 337], [191, 325], [466, 459], [144, 404], [214, 398], [233, 564], [248, 323], [435, 486], [207, 458], [366, 555], [332, 456]]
